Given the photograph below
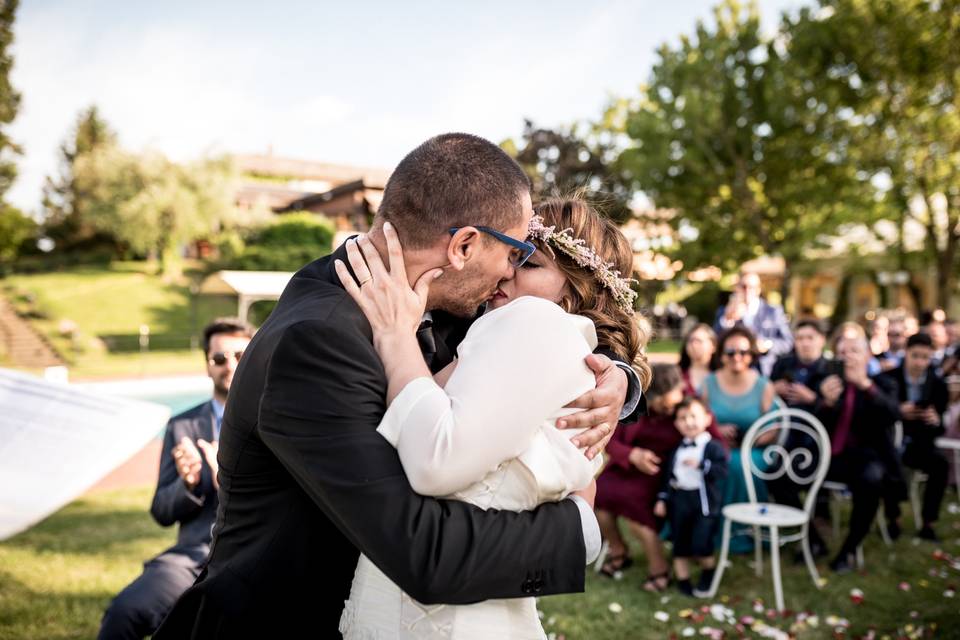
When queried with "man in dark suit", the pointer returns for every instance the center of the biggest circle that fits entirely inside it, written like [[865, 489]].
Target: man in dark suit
[[859, 412], [186, 494], [768, 322], [922, 395], [797, 375], [307, 482]]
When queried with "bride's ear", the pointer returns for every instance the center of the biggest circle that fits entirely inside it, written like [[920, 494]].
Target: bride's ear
[[463, 246]]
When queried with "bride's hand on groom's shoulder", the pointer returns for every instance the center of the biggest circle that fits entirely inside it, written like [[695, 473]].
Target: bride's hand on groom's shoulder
[[601, 406], [385, 296]]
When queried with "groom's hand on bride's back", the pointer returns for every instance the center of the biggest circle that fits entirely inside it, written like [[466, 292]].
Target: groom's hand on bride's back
[[601, 406]]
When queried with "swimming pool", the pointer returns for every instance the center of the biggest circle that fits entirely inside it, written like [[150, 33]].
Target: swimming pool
[[177, 393]]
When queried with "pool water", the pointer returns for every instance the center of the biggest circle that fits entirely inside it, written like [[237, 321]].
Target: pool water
[[178, 402]]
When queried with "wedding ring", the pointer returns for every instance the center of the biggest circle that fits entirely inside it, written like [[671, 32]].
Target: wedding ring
[[363, 282]]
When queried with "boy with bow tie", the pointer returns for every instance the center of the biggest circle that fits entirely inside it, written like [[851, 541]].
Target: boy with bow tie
[[692, 489]]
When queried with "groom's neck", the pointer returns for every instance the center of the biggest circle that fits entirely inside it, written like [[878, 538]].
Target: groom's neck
[[416, 261]]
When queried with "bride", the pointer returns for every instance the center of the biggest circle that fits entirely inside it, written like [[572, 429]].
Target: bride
[[481, 430]]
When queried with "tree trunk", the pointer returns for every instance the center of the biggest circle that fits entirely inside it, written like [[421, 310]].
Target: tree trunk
[[785, 286], [946, 272], [171, 265]]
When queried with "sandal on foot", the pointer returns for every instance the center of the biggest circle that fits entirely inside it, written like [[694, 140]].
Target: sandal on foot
[[657, 582], [616, 563]]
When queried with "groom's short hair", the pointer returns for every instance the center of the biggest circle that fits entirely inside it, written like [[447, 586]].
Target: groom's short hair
[[452, 180]]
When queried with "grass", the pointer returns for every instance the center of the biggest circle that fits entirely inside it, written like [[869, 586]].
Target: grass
[[57, 578], [115, 301], [664, 346]]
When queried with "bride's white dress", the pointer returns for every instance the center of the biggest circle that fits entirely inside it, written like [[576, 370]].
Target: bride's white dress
[[487, 438]]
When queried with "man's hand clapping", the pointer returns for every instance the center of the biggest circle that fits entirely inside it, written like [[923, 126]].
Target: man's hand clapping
[[188, 462], [210, 450]]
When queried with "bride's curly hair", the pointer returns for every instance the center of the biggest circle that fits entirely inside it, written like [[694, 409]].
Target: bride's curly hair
[[622, 333]]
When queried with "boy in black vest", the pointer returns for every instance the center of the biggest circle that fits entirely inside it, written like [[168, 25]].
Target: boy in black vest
[[692, 494]]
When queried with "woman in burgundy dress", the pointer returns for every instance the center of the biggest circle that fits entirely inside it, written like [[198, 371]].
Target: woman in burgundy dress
[[629, 484]]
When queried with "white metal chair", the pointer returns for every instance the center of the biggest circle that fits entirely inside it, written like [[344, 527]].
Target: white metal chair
[[918, 478], [798, 466]]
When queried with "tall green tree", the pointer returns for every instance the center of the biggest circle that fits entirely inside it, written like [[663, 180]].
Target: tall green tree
[[575, 158], [65, 200], [741, 143], [893, 67], [15, 230], [9, 97], [153, 205]]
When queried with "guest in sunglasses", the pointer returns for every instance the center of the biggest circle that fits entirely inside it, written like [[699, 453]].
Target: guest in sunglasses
[[186, 493], [738, 395]]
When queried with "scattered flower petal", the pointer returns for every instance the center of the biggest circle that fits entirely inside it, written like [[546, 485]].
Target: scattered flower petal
[[662, 616], [616, 607]]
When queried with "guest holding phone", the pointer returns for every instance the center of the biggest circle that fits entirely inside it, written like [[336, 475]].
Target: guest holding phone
[[923, 396]]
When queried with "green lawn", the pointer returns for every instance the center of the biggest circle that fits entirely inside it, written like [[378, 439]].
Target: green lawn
[[57, 578], [113, 302]]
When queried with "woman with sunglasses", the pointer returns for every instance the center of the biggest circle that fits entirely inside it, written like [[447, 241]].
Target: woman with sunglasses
[[738, 395], [482, 430]]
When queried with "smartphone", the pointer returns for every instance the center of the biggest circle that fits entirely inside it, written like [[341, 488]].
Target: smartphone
[[835, 368]]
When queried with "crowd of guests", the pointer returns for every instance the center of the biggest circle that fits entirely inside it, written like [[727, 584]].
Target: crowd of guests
[[671, 472]]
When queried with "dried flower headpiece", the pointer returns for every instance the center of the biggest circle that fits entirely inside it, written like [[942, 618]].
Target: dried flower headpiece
[[579, 252]]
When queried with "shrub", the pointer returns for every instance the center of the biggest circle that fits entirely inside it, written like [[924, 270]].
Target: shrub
[[285, 244]]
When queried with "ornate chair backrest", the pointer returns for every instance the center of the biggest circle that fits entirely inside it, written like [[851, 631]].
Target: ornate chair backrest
[[803, 466]]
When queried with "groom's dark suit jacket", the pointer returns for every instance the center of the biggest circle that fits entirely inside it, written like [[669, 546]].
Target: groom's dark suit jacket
[[306, 481]]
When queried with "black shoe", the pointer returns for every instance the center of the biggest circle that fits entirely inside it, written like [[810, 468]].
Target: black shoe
[[841, 564], [927, 533], [705, 581], [893, 530], [684, 587]]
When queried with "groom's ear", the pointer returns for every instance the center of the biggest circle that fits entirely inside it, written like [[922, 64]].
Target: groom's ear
[[463, 247]]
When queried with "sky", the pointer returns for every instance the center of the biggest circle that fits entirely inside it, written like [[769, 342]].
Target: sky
[[348, 82]]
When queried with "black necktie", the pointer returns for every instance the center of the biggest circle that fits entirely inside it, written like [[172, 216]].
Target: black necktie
[[428, 344], [688, 443]]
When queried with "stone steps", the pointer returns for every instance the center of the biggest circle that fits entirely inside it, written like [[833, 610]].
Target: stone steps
[[21, 344]]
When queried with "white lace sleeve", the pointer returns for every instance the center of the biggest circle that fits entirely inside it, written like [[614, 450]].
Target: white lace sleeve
[[517, 366]]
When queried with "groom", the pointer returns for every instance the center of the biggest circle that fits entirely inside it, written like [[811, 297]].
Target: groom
[[307, 482]]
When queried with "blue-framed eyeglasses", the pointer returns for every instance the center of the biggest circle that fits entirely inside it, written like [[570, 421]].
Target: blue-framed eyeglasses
[[522, 250]]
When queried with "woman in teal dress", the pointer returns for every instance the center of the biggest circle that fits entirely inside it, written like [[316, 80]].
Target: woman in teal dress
[[738, 395]]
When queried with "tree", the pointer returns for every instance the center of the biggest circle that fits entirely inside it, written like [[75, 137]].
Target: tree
[[902, 85], [563, 160], [741, 144], [9, 97], [15, 230], [285, 243], [65, 202], [153, 205]]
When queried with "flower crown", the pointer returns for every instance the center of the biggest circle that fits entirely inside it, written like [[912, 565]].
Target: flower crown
[[577, 249]]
